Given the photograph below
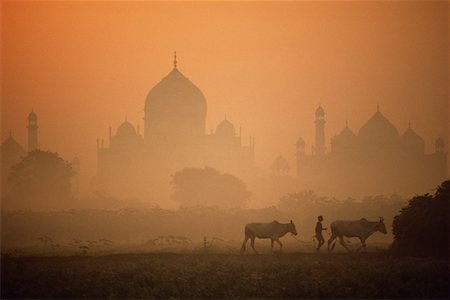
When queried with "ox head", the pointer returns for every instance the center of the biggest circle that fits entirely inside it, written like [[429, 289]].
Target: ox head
[[381, 227], [292, 228]]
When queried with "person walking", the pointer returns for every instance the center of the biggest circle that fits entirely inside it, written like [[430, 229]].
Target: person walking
[[319, 235]]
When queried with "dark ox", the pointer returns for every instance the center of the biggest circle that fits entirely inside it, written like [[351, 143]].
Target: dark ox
[[272, 231], [361, 229]]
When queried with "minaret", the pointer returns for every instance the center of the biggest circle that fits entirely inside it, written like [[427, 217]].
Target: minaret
[[32, 132], [320, 131]]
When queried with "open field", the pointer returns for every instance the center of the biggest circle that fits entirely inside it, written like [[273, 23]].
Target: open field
[[216, 275]]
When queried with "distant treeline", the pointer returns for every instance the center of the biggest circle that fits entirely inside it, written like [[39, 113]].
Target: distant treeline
[[133, 225]]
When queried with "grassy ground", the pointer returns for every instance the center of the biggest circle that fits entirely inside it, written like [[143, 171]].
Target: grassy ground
[[166, 275]]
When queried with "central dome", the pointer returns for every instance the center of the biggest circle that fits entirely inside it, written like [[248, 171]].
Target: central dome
[[175, 106], [378, 128], [378, 134], [176, 94]]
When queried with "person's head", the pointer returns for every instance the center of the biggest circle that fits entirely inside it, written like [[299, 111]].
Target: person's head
[[320, 218]]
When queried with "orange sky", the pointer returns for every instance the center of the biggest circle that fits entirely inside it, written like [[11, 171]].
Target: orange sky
[[84, 66]]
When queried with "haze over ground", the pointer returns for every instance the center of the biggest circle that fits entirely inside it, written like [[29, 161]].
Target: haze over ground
[[85, 66]]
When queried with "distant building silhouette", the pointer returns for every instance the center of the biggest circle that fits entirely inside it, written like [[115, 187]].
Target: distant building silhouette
[[32, 132], [12, 153], [174, 138], [280, 166], [377, 160], [319, 148]]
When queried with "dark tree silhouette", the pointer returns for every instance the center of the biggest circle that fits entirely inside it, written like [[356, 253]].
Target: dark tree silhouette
[[40, 180], [208, 187], [422, 227]]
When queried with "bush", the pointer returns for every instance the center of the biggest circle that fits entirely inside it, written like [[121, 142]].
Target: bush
[[422, 227]]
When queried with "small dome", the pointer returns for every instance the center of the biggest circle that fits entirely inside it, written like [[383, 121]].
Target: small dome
[[225, 128], [126, 129], [32, 116], [345, 141], [300, 143], [10, 145], [412, 140], [320, 111], [346, 134], [280, 164]]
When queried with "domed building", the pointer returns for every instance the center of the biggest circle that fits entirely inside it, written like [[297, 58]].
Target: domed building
[[225, 129], [175, 110], [378, 134], [174, 138], [345, 142], [412, 143], [377, 160], [11, 154]]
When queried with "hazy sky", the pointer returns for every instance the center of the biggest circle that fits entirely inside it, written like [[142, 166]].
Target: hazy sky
[[84, 66]]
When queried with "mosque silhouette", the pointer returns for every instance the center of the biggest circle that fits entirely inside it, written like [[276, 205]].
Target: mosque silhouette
[[174, 138], [376, 160]]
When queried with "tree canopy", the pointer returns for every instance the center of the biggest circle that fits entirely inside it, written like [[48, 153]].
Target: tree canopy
[[208, 187], [422, 227], [40, 180]]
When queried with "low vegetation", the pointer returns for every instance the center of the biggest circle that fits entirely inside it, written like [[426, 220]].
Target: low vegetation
[[422, 227], [166, 275]]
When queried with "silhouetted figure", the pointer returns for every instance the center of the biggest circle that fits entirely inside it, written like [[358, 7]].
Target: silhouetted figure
[[361, 229], [319, 235], [273, 231]]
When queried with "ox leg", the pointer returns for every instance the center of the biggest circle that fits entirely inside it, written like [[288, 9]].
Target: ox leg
[[341, 240], [281, 245], [363, 245], [253, 245], [332, 238], [244, 244]]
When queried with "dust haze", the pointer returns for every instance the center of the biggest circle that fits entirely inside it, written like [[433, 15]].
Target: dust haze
[[194, 127]]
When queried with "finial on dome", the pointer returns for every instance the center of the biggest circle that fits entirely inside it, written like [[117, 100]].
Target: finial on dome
[[346, 123], [409, 124], [10, 133], [378, 107], [175, 59]]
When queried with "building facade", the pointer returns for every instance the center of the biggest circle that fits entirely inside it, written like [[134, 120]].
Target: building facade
[[375, 160], [140, 165]]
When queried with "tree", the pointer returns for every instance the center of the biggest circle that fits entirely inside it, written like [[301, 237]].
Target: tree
[[40, 180], [208, 187], [422, 227]]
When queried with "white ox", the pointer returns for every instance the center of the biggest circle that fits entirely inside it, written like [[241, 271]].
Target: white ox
[[272, 231], [360, 228]]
